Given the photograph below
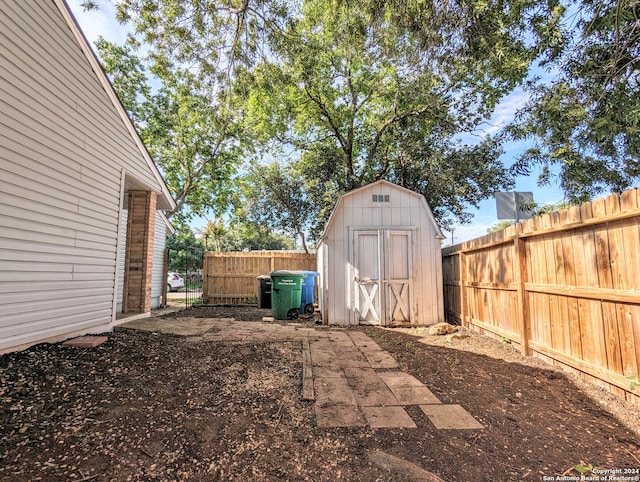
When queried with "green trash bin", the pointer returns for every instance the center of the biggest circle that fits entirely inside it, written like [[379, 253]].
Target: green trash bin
[[286, 293]]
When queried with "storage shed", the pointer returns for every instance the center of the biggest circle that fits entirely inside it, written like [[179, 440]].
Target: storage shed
[[379, 259]]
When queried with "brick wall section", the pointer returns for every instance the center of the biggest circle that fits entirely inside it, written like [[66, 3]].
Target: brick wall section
[[139, 255]]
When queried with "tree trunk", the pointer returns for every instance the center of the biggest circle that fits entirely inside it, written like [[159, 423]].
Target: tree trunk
[[304, 242]]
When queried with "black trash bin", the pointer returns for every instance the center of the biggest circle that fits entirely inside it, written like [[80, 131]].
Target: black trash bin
[[264, 291]]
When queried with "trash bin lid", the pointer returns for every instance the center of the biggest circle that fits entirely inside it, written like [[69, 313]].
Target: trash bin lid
[[263, 276], [286, 273], [310, 273]]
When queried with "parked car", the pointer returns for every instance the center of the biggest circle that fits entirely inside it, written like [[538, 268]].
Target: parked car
[[174, 282]]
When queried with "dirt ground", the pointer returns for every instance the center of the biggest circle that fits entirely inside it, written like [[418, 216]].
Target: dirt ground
[[146, 406]]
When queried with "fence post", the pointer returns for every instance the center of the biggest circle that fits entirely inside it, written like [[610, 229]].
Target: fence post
[[462, 276], [205, 277], [521, 278]]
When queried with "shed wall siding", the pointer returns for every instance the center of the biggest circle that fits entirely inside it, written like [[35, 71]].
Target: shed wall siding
[[62, 150], [403, 211]]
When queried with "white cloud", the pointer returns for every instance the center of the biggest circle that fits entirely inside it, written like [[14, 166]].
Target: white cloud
[[506, 110], [466, 232]]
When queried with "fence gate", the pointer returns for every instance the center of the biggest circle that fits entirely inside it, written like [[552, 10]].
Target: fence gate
[[187, 263], [193, 275]]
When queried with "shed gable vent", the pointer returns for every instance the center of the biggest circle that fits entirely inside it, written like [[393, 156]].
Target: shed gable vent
[[380, 198]]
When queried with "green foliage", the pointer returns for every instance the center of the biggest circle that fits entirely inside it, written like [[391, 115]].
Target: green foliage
[[540, 209], [242, 235], [212, 234], [499, 226], [586, 124], [128, 76], [353, 92], [185, 251], [90, 5], [191, 134], [252, 236], [361, 104], [275, 196], [584, 469]]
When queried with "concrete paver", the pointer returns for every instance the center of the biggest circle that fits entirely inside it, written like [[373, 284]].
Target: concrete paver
[[323, 358], [353, 362], [184, 326], [355, 382], [388, 417], [339, 416], [88, 341], [327, 372], [360, 339], [414, 395], [355, 372], [450, 417], [371, 391], [400, 379], [333, 391], [380, 359]]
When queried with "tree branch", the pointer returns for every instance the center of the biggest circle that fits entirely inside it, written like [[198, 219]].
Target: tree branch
[[396, 118]]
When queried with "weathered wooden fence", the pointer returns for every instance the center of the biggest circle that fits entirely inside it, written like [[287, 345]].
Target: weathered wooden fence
[[231, 277], [564, 287]]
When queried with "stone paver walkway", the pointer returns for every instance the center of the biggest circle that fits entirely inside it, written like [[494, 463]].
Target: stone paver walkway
[[353, 381]]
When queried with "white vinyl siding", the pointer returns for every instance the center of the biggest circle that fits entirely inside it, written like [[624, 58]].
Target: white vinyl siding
[[121, 260], [63, 91], [158, 275], [63, 148]]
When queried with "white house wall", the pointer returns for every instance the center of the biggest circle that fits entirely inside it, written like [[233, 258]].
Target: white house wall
[[121, 260], [158, 275], [405, 210], [63, 148]]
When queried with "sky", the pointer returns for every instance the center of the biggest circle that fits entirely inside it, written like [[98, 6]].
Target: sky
[[102, 23]]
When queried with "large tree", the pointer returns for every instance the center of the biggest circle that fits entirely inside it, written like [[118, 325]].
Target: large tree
[[190, 131], [363, 96], [585, 123], [275, 196], [360, 90]]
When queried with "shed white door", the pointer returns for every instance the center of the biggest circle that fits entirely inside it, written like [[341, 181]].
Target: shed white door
[[366, 304], [382, 268], [397, 282]]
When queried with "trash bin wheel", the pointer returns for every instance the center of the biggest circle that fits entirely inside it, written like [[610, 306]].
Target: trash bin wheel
[[309, 309], [292, 314]]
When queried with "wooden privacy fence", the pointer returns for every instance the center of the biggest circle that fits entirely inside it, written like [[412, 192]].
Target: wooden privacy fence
[[231, 277], [564, 287]]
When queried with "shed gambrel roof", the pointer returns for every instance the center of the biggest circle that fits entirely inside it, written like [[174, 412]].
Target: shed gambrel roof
[[165, 200], [390, 185]]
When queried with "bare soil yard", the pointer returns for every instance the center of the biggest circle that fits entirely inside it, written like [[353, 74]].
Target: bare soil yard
[[149, 406]]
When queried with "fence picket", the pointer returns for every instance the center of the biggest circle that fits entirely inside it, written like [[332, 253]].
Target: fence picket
[[231, 276], [565, 286]]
